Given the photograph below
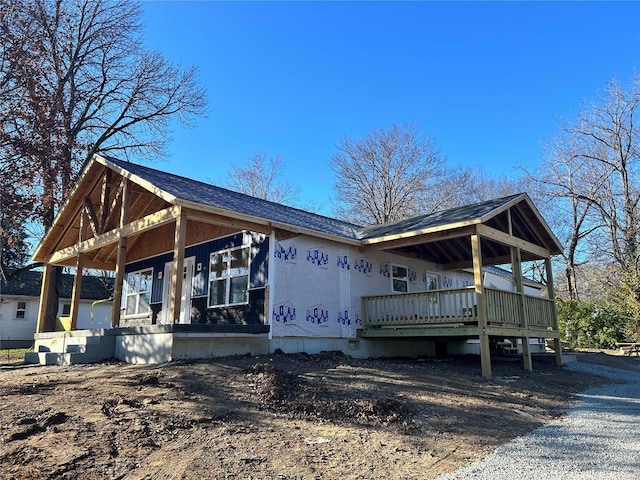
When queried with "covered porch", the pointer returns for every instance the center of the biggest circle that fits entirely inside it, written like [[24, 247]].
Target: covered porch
[[115, 217], [510, 234]]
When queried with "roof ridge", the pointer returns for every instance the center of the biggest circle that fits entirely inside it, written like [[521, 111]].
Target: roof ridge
[[123, 164]]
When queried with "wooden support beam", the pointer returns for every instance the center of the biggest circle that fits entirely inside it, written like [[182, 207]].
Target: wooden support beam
[[75, 213], [119, 282], [426, 332], [485, 355], [142, 225], [91, 214], [516, 268], [557, 344], [77, 279], [396, 241], [506, 332], [121, 258], [104, 199], [511, 241], [178, 268], [113, 210], [234, 223], [47, 278]]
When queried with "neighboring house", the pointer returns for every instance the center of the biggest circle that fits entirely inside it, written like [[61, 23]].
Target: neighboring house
[[19, 300], [257, 276]]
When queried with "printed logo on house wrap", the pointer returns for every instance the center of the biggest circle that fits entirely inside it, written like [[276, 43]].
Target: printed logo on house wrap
[[412, 275], [318, 257], [363, 266], [447, 282], [317, 315], [288, 255], [343, 262], [345, 318], [385, 271], [284, 313]]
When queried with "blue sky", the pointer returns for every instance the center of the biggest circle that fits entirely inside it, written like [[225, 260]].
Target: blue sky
[[488, 80]]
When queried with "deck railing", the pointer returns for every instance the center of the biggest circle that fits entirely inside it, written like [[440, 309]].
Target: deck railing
[[455, 306]]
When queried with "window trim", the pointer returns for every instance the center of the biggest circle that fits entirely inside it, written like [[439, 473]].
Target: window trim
[[20, 310], [402, 279], [228, 276], [126, 294], [435, 276]]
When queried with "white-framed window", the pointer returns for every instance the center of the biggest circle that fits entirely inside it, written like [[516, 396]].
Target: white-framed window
[[432, 282], [66, 309], [137, 293], [399, 279], [229, 277], [21, 310]]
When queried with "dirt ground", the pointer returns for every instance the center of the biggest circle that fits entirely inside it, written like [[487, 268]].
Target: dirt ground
[[281, 417]]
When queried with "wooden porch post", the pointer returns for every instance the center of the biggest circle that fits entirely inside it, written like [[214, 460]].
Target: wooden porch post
[[47, 277], [77, 279], [557, 342], [485, 355], [516, 266], [121, 258], [178, 268]]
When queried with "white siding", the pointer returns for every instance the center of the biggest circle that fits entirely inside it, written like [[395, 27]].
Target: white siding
[[18, 329], [14, 329]]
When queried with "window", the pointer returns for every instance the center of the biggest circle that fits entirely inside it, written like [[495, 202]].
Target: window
[[66, 309], [431, 282], [137, 293], [399, 278], [229, 277], [21, 310]]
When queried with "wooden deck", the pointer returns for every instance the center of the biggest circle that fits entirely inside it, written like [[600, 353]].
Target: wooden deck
[[454, 312]]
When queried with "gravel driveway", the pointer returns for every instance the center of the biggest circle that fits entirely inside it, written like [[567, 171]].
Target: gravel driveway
[[598, 439]]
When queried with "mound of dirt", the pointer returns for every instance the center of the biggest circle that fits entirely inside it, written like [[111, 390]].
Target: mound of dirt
[[279, 417]]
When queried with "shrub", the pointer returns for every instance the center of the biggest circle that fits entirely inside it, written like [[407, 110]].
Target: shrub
[[591, 324]]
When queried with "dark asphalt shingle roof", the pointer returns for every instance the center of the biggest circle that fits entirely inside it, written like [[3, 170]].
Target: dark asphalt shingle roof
[[206, 194], [211, 195], [28, 285], [444, 217]]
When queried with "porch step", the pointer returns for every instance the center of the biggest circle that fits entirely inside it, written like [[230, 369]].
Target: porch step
[[71, 349]]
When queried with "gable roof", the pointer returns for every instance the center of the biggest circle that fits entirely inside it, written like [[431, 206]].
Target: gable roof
[[181, 190], [467, 214], [28, 285], [157, 197]]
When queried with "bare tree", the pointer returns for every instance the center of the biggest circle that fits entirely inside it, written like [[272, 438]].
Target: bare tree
[[464, 185], [75, 79], [592, 178], [565, 189], [384, 176], [610, 152], [261, 177]]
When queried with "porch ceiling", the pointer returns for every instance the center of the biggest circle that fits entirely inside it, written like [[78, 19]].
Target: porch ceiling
[[446, 240], [455, 253]]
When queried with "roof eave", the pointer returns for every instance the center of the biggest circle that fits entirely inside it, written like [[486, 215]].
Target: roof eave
[[423, 231]]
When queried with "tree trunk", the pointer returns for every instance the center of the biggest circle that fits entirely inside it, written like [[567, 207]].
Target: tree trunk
[[570, 273]]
